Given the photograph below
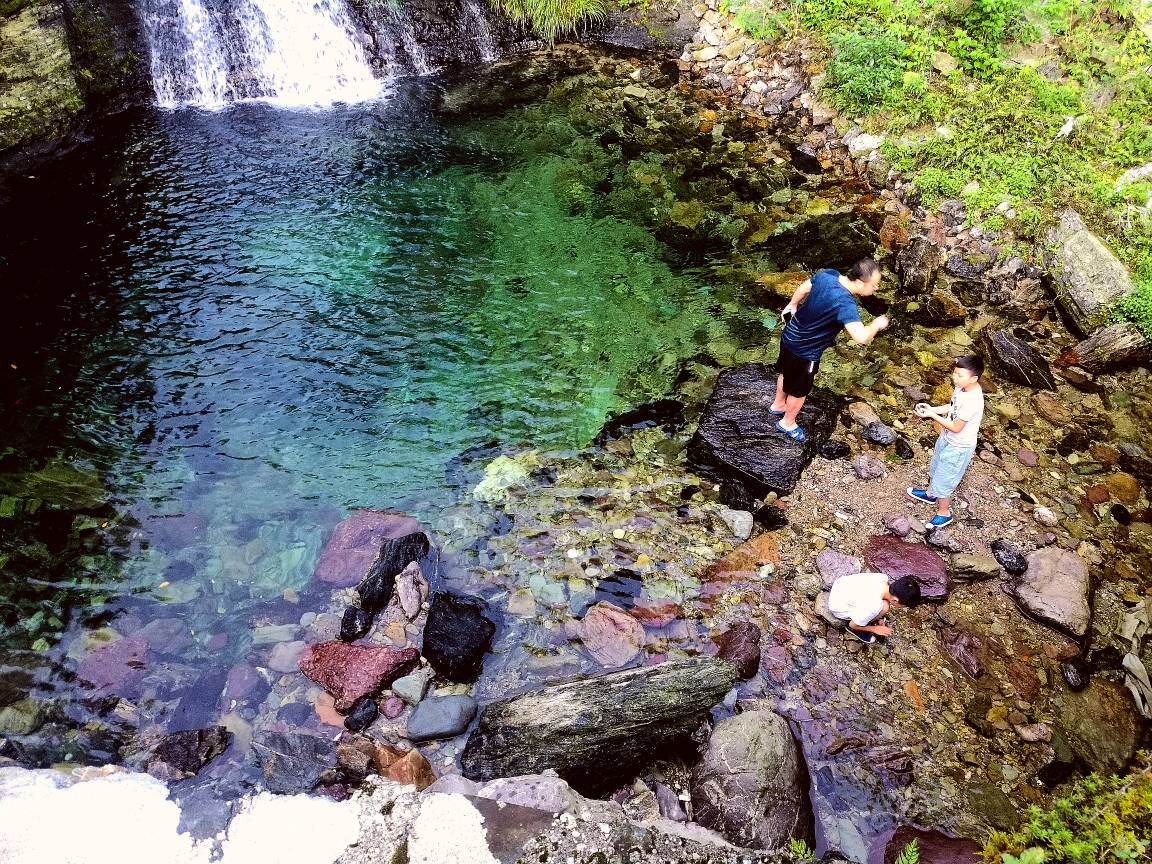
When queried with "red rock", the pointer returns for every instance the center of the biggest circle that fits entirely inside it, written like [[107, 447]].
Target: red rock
[[655, 613], [355, 543], [393, 707], [777, 663], [893, 235], [1025, 681], [611, 635], [741, 644], [1105, 453], [117, 668], [934, 847], [216, 641], [1097, 494], [895, 558], [412, 769], [351, 671], [1027, 458]]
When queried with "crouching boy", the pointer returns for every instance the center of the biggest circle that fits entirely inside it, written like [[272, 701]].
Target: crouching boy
[[958, 423], [863, 599]]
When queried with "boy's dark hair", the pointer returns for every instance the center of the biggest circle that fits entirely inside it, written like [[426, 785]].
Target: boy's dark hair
[[906, 590], [974, 363], [863, 270]]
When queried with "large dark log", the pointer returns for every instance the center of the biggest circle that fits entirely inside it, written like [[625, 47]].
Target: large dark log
[[597, 732], [1118, 346]]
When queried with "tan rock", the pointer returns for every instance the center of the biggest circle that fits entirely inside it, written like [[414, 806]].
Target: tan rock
[[1051, 409], [863, 413], [1123, 487], [408, 767]]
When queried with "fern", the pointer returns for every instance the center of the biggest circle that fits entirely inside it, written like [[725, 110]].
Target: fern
[[910, 854], [800, 850]]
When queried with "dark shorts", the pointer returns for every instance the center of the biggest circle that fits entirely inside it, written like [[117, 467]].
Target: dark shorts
[[798, 373]]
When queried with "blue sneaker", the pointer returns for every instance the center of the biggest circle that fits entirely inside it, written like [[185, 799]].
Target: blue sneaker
[[939, 521], [920, 495], [866, 638]]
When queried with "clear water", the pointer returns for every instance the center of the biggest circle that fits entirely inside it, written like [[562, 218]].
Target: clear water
[[245, 324]]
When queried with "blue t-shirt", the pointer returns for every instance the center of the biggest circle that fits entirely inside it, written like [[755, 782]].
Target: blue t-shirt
[[822, 315]]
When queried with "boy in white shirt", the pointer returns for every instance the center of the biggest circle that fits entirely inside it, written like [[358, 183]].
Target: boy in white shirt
[[864, 598], [958, 423]]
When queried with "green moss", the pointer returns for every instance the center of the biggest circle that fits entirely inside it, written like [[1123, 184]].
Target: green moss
[[11, 7]]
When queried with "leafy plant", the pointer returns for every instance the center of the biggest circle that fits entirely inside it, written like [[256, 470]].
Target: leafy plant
[[866, 66], [910, 854], [552, 18], [800, 849]]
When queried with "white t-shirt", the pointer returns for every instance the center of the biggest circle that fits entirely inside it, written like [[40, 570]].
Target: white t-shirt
[[970, 408], [856, 597]]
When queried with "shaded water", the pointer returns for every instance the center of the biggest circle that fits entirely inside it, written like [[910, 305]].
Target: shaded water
[[233, 328]]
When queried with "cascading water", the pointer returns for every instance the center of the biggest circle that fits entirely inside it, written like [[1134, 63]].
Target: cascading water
[[291, 52], [478, 24]]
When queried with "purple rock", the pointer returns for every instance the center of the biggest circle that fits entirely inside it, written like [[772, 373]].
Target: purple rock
[[116, 669], [898, 524], [356, 542], [963, 647], [393, 707], [832, 565], [242, 680], [892, 556]]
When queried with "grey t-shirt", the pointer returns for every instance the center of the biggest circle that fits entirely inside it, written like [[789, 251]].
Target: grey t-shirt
[[970, 408]]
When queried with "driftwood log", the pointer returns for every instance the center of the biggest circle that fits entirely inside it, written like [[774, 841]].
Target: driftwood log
[[1118, 346]]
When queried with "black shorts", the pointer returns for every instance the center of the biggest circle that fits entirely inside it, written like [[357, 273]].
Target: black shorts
[[798, 373]]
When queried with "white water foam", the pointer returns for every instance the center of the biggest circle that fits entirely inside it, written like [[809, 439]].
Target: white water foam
[[191, 67], [479, 26]]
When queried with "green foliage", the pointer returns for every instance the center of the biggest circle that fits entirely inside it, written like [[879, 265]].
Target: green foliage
[[800, 849], [1100, 821], [552, 18], [866, 66], [1137, 307], [910, 854], [11, 7]]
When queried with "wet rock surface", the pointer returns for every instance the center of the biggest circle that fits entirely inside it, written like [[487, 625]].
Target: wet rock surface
[[293, 762], [897, 558], [457, 635], [441, 717], [737, 440], [1101, 725], [1056, 589], [1016, 360], [183, 754], [350, 672], [356, 543]]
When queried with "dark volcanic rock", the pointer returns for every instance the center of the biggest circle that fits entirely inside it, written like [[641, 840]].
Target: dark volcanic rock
[[770, 518], [934, 847], [293, 762], [351, 671], [751, 783], [892, 556], [741, 644], [833, 449], [364, 711], [877, 433], [355, 624], [376, 588], [189, 751], [356, 543], [597, 732], [1009, 557], [666, 413], [735, 497], [904, 449], [737, 439], [1077, 673], [457, 635], [1016, 360]]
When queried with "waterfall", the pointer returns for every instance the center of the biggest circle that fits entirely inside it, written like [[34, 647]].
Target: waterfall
[[290, 52], [482, 32]]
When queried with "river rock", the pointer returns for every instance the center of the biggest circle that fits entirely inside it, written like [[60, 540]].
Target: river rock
[[357, 542], [740, 644], [376, 589], [832, 565], [878, 433], [1086, 277], [596, 732], [898, 523], [964, 648], [988, 801], [1044, 516], [457, 635], [1009, 556], [1051, 410], [1056, 590], [834, 449], [1112, 348], [411, 688], [294, 761], [739, 522], [362, 714], [825, 613], [903, 449], [918, 264], [183, 754], [751, 783], [1016, 360], [933, 846], [393, 707], [868, 467], [1102, 725], [538, 791], [737, 439], [411, 590], [892, 556], [1077, 673], [863, 413], [734, 496], [1027, 458], [441, 717], [355, 624], [116, 669], [408, 767], [1033, 733], [1123, 487], [974, 568], [938, 538], [611, 635], [351, 671]]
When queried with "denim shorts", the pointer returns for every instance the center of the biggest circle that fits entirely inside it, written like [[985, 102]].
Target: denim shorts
[[947, 468]]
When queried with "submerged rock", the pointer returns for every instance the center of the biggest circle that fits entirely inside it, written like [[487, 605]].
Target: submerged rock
[[1056, 590], [349, 672], [934, 847], [595, 733], [737, 439], [185, 753], [964, 648], [376, 588], [364, 712], [1102, 725], [1016, 360], [293, 761], [665, 413], [896, 558], [408, 767], [441, 717], [739, 522], [740, 644], [457, 635], [611, 635], [116, 669], [751, 783], [356, 542]]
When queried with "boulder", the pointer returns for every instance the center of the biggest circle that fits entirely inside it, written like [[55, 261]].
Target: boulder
[[1086, 277], [1008, 556], [1102, 725], [377, 587], [457, 634], [1016, 360], [356, 543], [1056, 590], [185, 753], [595, 733], [933, 846], [441, 717], [879, 434], [737, 439], [611, 635], [351, 671], [918, 264], [751, 783], [740, 644], [896, 558], [974, 568], [293, 761], [1112, 348], [116, 669], [832, 565], [1051, 410]]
